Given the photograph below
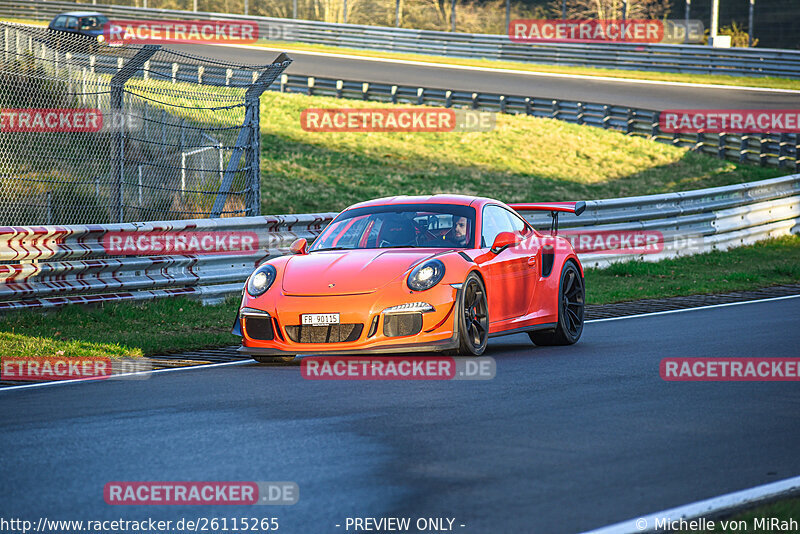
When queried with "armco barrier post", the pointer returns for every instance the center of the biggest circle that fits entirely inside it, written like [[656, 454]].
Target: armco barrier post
[[248, 142], [117, 86]]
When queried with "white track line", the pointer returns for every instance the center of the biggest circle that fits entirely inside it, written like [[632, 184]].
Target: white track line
[[710, 306], [708, 507], [210, 366], [510, 71], [115, 377]]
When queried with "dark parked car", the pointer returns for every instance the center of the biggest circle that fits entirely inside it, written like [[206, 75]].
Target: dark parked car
[[88, 23]]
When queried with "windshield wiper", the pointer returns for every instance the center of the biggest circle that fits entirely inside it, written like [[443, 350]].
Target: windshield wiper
[[331, 248]]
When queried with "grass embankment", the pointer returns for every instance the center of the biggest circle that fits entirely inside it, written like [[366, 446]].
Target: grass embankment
[[175, 325], [745, 81], [522, 159]]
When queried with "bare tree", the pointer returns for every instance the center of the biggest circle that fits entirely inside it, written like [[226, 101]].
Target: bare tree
[[612, 9]]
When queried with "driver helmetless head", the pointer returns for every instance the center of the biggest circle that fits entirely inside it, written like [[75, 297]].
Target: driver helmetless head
[[460, 230]]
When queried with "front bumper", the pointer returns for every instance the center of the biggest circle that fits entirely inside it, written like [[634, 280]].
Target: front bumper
[[438, 331]]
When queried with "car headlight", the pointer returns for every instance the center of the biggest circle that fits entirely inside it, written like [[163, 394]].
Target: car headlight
[[426, 275], [261, 280], [100, 38]]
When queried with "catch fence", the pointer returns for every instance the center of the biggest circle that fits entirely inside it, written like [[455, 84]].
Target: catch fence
[[92, 133]]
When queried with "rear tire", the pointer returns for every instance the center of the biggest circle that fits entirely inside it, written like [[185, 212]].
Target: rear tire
[[473, 317], [571, 298]]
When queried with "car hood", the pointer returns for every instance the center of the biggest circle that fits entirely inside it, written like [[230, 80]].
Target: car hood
[[350, 271]]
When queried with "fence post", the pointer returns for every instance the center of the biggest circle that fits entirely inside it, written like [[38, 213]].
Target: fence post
[[253, 199], [722, 146], [606, 117], [117, 86], [782, 145], [701, 140], [248, 141], [743, 148]]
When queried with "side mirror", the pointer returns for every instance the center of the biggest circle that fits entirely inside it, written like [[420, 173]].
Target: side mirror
[[505, 240], [300, 246]]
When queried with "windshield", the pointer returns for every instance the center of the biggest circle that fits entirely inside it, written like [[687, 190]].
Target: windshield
[[400, 225], [93, 22]]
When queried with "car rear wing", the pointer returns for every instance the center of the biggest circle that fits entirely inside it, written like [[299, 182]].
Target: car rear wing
[[554, 208]]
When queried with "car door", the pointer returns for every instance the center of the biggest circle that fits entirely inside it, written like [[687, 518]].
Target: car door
[[71, 25], [510, 274], [60, 23]]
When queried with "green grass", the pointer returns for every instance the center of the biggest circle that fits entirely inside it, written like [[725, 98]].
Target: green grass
[[767, 263], [522, 159], [178, 324], [119, 330], [783, 510], [747, 81]]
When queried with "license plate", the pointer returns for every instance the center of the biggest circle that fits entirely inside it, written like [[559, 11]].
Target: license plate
[[319, 319]]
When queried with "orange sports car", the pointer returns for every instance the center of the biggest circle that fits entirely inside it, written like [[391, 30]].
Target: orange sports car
[[416, 274]]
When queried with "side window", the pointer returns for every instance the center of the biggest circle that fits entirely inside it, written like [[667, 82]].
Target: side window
[[519, 225], [495, 220], [72, 24], [60, 23]]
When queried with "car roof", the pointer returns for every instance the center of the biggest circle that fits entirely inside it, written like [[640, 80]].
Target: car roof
[[81, 14], [461, 200]]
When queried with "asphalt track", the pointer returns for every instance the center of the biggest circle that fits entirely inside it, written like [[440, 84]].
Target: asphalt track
[[631, 93], [562, 440]]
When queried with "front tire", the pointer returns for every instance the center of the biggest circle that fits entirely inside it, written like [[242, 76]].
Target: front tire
[[473, 317], [571, 298]]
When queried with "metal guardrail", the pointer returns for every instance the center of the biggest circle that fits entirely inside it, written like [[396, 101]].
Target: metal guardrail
[[766, 149], [654, 57], [51, 266]]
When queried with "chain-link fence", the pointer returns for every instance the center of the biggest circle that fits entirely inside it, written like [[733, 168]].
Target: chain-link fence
[[91, 133]]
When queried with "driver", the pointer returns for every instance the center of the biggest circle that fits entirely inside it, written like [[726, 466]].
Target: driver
[[458, 234]]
